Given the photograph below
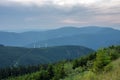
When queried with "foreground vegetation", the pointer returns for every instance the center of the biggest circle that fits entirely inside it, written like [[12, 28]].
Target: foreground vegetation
[[113, 73], [103, 64]]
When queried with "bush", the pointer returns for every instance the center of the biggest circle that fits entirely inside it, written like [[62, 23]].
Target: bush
[[109, 67], [75, 64], [102, 60]]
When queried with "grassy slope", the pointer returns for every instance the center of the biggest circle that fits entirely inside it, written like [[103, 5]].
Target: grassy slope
[[114, 74]]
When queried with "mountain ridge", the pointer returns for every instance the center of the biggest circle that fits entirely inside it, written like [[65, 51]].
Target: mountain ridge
[[26, 38]]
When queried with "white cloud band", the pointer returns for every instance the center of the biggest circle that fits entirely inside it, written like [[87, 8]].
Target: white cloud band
[[63, 3]]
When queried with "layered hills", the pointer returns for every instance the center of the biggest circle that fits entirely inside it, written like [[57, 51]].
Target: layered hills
[[84, 36]]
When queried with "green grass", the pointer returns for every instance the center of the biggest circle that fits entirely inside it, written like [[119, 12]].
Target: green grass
[[113, 74]]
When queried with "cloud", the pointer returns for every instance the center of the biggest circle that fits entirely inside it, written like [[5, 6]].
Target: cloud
[[44, 2], [61, 3], [53, 13]]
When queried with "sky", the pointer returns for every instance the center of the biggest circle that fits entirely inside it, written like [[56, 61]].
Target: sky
[[21, 15]]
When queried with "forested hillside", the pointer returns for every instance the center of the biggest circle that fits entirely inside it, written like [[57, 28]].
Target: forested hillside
[[15, 56], [100, 65]]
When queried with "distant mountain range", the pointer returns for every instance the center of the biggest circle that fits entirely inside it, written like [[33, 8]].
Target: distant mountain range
[[14, 56], [92, 36]]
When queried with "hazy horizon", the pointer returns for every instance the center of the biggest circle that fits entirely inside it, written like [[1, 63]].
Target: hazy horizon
[[29, 30]]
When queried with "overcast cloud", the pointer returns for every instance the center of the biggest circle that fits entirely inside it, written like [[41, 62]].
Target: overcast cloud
[[47, 14]]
